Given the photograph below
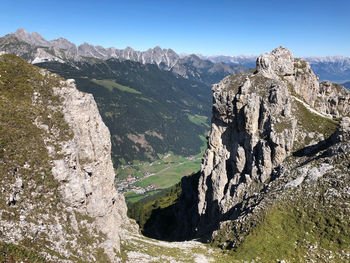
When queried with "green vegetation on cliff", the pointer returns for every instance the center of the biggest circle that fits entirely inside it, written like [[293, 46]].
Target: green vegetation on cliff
[[32, 129], [22, 148], [10, 253], [23, 151]]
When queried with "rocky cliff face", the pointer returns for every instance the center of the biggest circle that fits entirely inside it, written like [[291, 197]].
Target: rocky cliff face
[[86, 172], [58, 196], [257, 123], [268, 127]]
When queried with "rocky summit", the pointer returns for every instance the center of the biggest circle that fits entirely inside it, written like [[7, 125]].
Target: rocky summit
[[278, 137], [274, 181], [261, 118]]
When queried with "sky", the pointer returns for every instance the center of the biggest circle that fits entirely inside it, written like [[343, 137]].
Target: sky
[[221, 27]]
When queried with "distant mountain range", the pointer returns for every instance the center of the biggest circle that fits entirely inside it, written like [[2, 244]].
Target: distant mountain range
[[243, 60], [37, 50], [333, 68], [34, 48], [346, 85]]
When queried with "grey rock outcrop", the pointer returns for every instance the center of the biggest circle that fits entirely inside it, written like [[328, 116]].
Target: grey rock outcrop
[[259, 119], [86, 173], [333, 99], [277, 63], [57, 194]]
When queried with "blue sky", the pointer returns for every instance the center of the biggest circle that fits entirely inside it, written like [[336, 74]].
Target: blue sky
[[307, 28]]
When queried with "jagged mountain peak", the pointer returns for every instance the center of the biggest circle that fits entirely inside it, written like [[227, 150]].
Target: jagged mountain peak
[[63, 43], [21, 32], [158, 48], [278, 62], [85, 44], [128, 48], [33, 39]]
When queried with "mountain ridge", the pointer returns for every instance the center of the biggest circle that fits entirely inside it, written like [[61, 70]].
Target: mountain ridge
[[333, 68], [64, 51]]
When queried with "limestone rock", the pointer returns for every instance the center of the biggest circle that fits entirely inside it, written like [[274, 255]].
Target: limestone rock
[[57, 179], [86, 172], [277, 63], [259, 119]]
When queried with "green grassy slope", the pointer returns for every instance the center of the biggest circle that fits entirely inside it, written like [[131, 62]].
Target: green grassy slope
[[301, 226]]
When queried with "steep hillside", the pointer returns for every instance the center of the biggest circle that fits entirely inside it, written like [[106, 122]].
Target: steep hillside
[[55, 168], [274, 181]]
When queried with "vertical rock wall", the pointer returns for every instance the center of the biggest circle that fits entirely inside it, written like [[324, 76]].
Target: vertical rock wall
[[86, 172]]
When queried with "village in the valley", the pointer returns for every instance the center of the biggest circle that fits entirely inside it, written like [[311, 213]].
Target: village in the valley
[[128, 184]]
